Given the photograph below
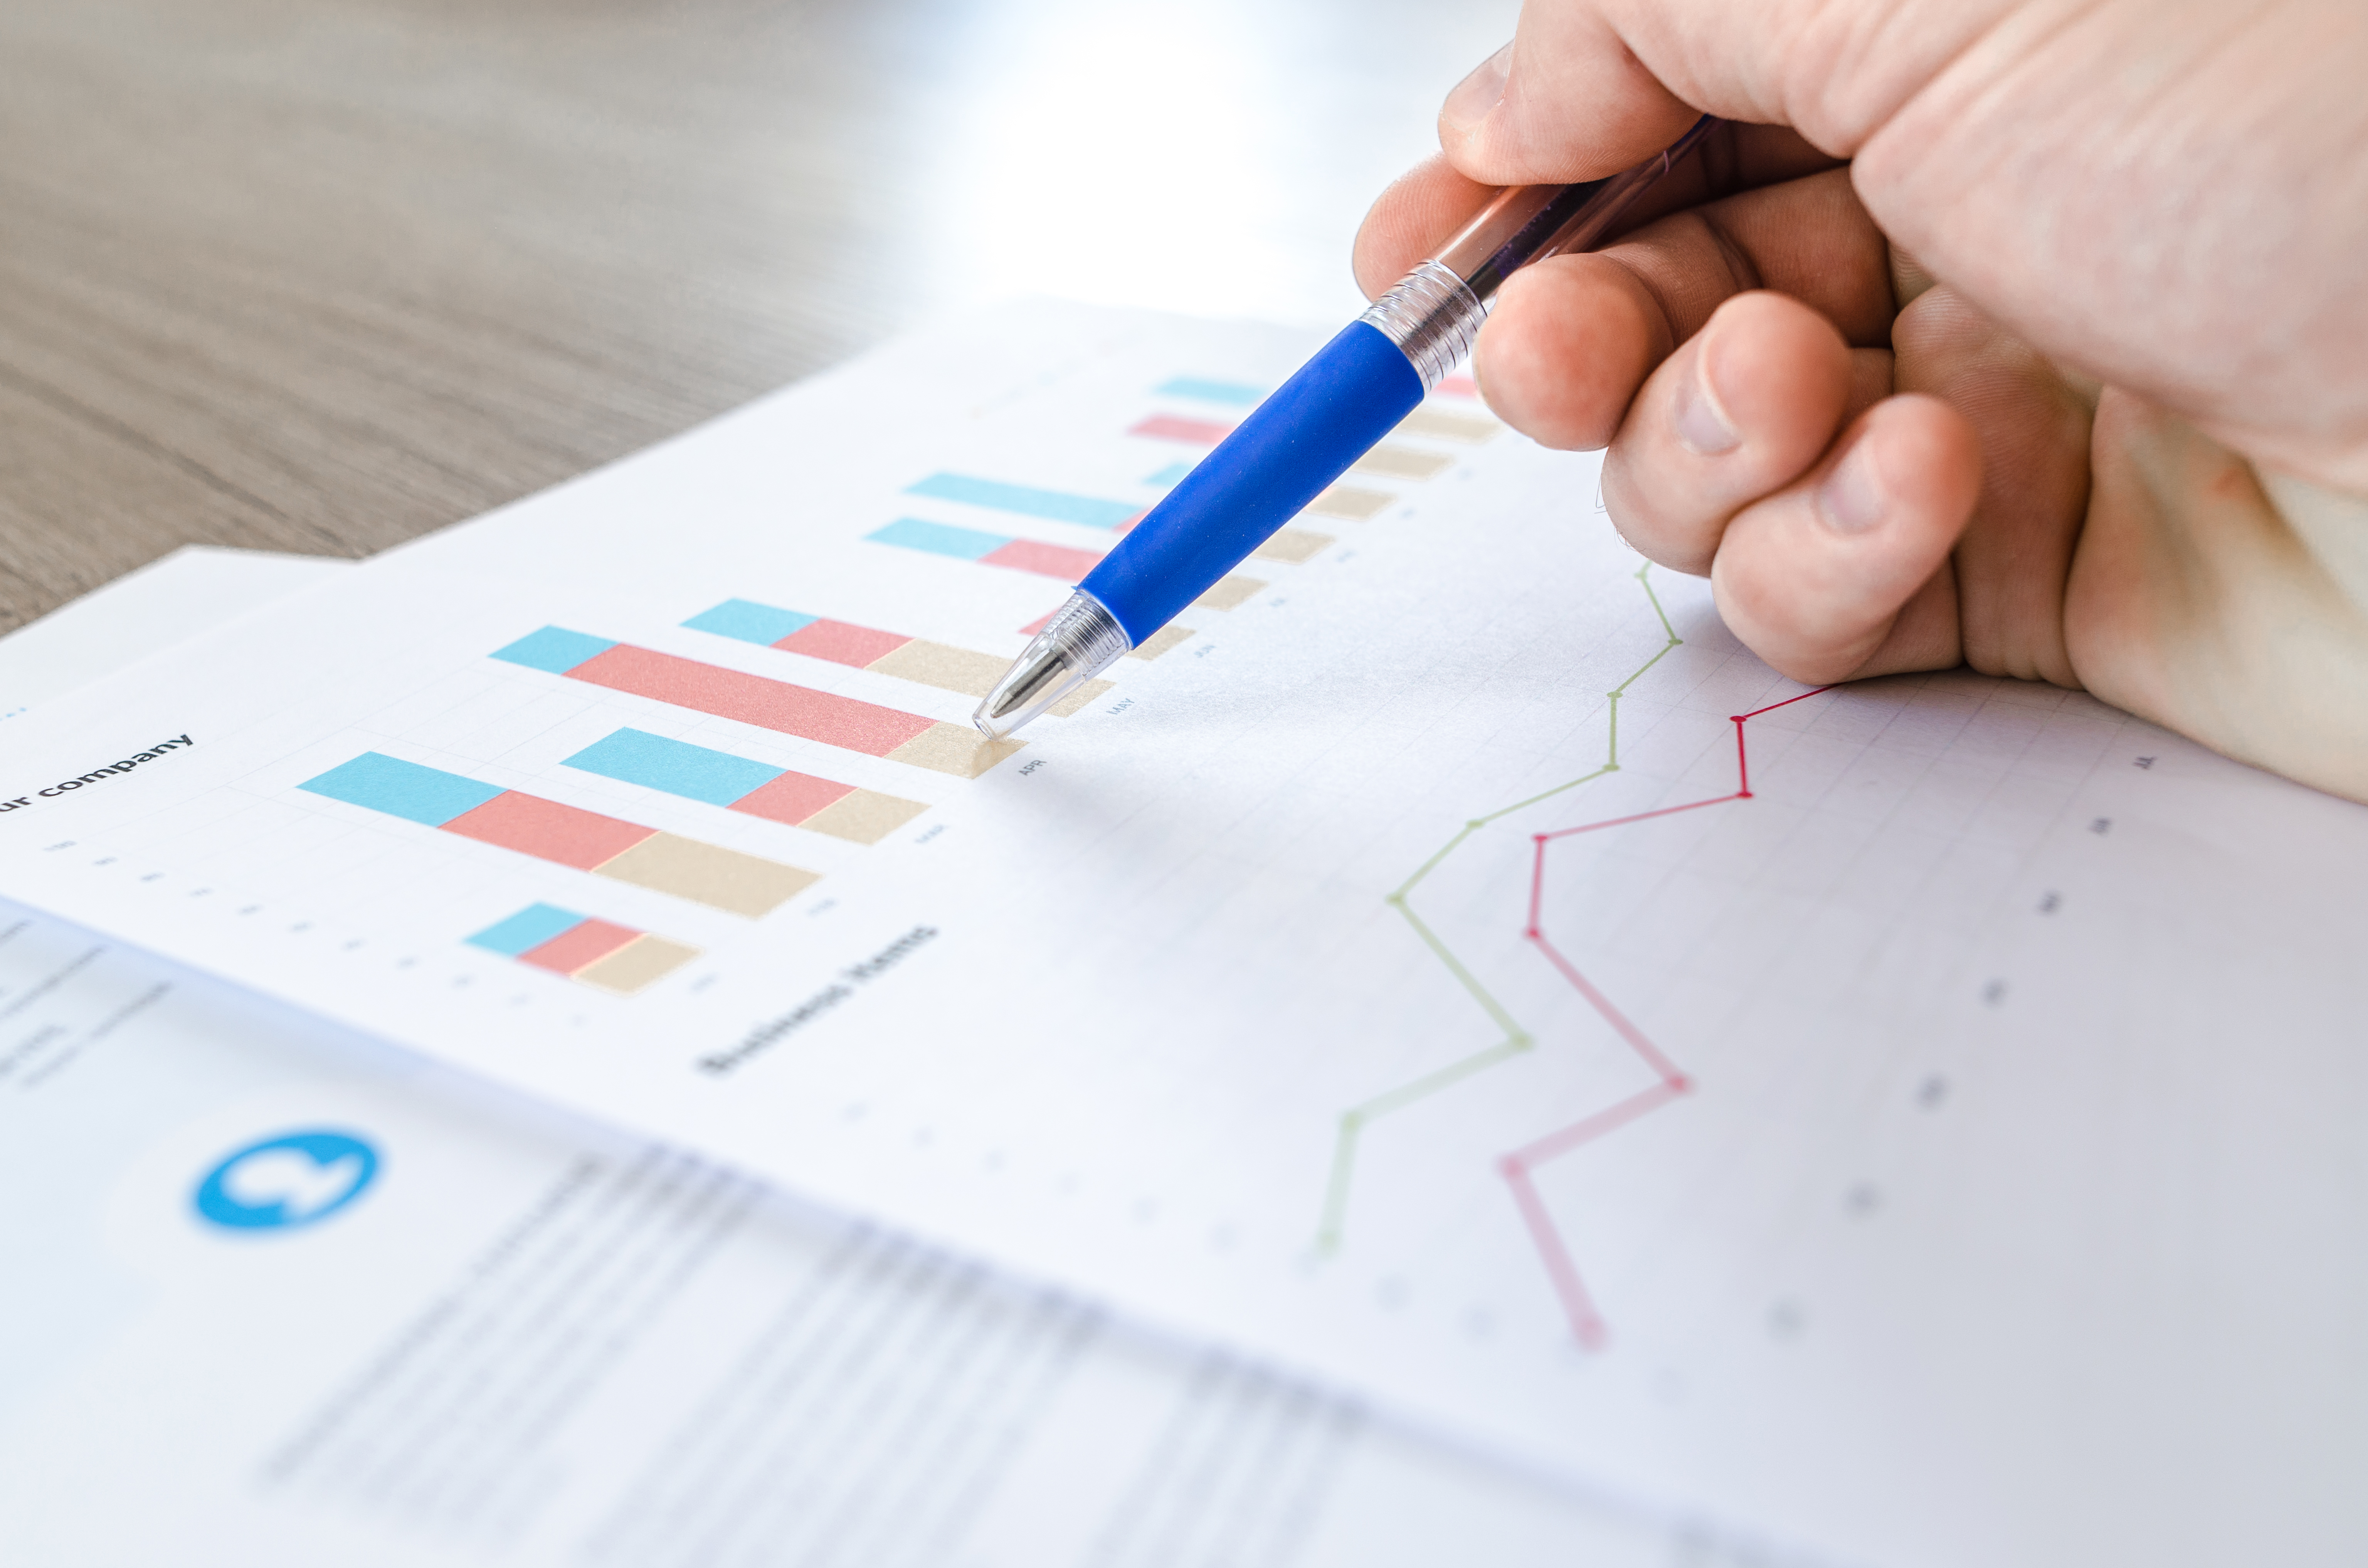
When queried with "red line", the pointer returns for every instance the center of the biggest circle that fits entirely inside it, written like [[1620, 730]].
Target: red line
[[1786, 703], [1554, 1146], [1640, 816], [1586, 1321], [1576, 1304], [1670, 1075]]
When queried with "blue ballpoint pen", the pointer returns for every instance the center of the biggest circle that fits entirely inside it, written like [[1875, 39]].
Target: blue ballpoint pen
[[1329, 413]]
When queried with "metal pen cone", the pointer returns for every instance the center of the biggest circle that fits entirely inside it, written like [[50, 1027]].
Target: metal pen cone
[[1079, 642], [1019, 686]]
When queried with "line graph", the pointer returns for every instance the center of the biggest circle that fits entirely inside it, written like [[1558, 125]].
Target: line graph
[[1579, 1303], [1518, 1168]]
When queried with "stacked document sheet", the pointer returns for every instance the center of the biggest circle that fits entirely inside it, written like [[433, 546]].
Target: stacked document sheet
[[560, 1044]]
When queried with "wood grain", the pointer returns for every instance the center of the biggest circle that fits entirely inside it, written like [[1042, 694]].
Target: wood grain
[[322, 275]]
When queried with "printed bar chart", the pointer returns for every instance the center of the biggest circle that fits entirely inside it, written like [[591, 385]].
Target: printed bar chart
[[1199, 389], [776, 705], [565, 836], [1293, 545], [599, 953], [1396, 462], [963, 670], [1471, 429], [1352, 502], [1022, 500], [754, 789], [1054, 560], [1176, 427], [989, 550]]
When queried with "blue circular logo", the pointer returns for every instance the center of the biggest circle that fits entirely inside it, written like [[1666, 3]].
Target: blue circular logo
[[281, 1183]]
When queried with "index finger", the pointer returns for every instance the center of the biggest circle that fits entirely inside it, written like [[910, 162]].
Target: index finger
[[1424, 207], [1589, 87]]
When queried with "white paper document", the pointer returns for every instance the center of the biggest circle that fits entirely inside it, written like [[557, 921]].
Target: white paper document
[[213, 1207], [193, 590], [278, 1294], [1918, 1119]]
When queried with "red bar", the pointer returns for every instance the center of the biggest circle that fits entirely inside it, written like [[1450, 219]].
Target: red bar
[[579, 947], [1045, 560], [548, 831], [841, 644], [791, 798], [1460, 386], [1173, 427], [752, 699], [1038, 624]]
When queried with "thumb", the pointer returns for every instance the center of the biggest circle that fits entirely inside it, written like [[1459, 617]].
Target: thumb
[[1564, 101]]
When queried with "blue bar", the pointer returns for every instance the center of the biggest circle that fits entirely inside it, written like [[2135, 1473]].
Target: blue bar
[[554, 649], [527, 929], [633, 757], [1231, 392], [1168, 476], [381, 783], [750, 621], [962, 544], [1051, 505]]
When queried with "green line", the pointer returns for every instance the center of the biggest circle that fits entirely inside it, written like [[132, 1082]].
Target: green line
[[1407, 886], [1352, 1124], [1550, 794], [1517, 1040], [1645, 581], [1495, 1009]]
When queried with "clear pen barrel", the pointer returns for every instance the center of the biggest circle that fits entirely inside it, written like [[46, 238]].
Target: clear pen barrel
[[1080, 641], [1434, 314]]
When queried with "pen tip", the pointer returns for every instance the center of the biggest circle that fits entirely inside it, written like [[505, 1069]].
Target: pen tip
[[1080, 641]]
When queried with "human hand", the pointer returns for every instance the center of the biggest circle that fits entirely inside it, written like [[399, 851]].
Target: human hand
[[2026, 335]]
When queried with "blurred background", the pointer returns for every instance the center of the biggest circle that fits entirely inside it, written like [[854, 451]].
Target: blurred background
[[321, 275]]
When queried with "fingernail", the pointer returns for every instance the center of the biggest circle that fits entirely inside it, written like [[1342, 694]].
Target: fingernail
[[1478, 94], [1701, 424], [1851, 498]]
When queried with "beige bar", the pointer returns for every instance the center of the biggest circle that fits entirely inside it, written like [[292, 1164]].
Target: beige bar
[[864, 816], [1076, 700], [1439, 424], [639, 962], [709, 873], [1226, 593], [1348, 501], [1292, 544], [955, 748], [948, 669], [1403, 462], [1161, 640]]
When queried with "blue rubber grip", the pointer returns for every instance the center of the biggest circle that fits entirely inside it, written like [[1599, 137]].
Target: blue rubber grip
[[1281, 458]]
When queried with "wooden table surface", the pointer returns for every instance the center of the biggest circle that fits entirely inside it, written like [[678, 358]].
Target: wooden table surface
[[322, 275]]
